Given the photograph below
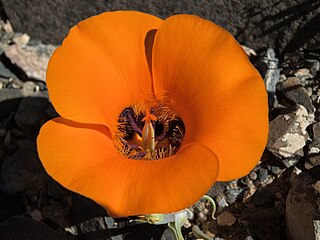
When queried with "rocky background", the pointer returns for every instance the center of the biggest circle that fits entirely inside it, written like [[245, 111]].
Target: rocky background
[[279, 199]]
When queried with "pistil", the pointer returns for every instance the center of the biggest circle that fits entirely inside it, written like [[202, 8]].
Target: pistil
[[148, 133]]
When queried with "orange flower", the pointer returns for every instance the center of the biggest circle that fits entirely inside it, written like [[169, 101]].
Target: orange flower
[[149, 109]]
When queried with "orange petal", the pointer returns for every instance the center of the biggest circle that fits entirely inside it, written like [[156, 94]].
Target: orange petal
[[101, 67], [205, 74], [82, 158]]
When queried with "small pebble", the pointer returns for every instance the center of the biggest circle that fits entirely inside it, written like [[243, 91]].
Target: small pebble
[[296, 171], [36, 215], [313, 97], [267, 181], [21, 39], [253, 175], [290, 162], [317, 186], [313, 65], [28, 88], [314, 160], [263, 174], [275, 170], [309, 91], [282, 77], [232, 194], [308, 165], [226, 219], [316, 130], [222, 203], [202, 217], [304, 75], [248, 238], [302, 72], [14, 85]]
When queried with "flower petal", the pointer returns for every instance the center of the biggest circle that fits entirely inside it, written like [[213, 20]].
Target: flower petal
[[101, 67], [82, 158], [203, 72]]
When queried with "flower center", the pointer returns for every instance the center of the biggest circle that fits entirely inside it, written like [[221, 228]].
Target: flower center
[[148, 134]]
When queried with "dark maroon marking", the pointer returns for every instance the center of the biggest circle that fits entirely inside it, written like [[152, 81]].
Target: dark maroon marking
[[127, 116], [134, 125]]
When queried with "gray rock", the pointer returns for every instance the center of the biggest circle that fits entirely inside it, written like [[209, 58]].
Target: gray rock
[[217, 189], [309, 91], [275, 170], [271, 75], [251, 188], [54, 190], [314, 160], [308, 165], [21, 38], [5, 72], [263, 174], [302, 205], [30, 112], [51, 112], [10, 97], [313, 98], [83, 208], [15, 83], [22, 171], [288, 133], [221, 202], [290, 162], [316, 130], [32, 59], [232, 194], [314, 152], [110, 223], [265, 224], [10, 94], [28, 88], [249, 238], [225, 193], [168, 235], [253, 175], [23, 228], [303, 74], [313, 65], [88, 217], [292, 89], [262, 197], [9, 206], [9, 101], [316, 226]]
